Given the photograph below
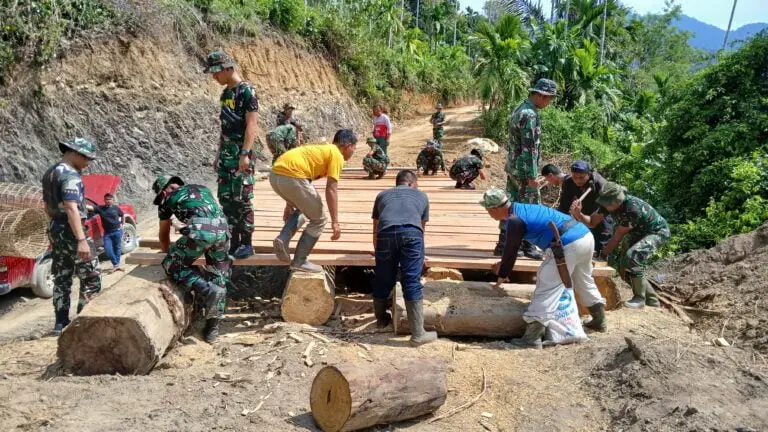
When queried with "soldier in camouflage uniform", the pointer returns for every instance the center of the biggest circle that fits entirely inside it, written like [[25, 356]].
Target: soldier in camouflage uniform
[[286, 117], [206, 234], [375, 162], [438, 120], [237, 148], [430, 158], [72, 251], [466, 169], [524, 153], [647, 231], [282, 139]]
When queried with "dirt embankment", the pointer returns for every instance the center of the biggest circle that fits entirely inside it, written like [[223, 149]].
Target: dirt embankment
[[146, 103]]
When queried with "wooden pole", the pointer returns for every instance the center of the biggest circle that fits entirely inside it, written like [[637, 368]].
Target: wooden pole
[[730, 21]]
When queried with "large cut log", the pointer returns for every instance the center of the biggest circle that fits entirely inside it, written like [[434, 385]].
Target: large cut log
[[127, 328], [308, 298], [468, 308], [352, 396]]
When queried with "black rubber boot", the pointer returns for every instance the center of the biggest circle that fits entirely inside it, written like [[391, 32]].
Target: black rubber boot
[[458, 185], [532, 337], [598, 318], [211, 330], [419, 336], [638, 293], [383, 318], [234, 241], [62, 321]]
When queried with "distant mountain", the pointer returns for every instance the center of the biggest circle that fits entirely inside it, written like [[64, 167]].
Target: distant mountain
[[710, 38]]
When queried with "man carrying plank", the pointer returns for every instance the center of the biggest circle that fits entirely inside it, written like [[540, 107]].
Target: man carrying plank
[[206, 233], [581, 180], [647, 231], [530, 222], [291, 178], [399, 217]]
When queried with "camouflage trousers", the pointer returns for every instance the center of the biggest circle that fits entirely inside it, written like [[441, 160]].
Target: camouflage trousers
[[374, 166], [209, 239], [235, 189], [65, 264], [278, 147], [438, 133], [518, 191], [636, 251], [465, 176], [426, 164]]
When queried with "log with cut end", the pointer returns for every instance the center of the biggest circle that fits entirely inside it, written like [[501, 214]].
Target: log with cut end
[[352, 396], [127, 328], [308, 298], [468, 308]]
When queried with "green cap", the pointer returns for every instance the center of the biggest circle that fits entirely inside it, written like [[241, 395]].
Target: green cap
[[218, 61], [545, 86], [371, 140], [611, 193], [163, 180], [493, 198], [288, 106], [80, 145]]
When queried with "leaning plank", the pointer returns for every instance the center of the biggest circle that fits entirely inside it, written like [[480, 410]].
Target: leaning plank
[[466, 309], [126, 329], [353, 396]]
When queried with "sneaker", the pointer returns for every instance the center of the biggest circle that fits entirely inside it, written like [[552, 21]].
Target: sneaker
[[243, 252]]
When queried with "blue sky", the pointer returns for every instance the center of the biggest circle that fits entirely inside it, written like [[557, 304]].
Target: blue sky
[[715, 12]]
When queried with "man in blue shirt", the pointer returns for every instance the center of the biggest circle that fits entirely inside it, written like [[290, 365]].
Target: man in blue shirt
[[531, 222], [399, 217], [112, 222]]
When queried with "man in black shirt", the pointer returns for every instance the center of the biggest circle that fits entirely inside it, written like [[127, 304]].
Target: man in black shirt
[[573, 186], [112, 222]]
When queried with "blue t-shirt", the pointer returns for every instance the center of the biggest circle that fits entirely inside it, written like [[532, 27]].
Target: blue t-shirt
[[537, 218]]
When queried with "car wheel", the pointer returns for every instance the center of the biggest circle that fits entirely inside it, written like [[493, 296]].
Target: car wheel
[[42, 279], [130, 238]]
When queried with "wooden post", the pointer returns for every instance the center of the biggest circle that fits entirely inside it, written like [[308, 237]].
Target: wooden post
[[352, 396], [126, 329], [308, 298]]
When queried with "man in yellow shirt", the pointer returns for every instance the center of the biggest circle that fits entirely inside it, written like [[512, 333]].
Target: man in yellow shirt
[[291, 178]]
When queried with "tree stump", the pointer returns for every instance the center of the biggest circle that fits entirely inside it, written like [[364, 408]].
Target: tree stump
[[352, 396], [308, 298], [468, 309], [127, 328]]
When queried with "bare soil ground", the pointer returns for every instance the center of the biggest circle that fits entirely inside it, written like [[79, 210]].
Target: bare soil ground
[[671, 379]]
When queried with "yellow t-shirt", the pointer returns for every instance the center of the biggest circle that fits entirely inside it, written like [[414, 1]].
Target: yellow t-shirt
[[311, 162]]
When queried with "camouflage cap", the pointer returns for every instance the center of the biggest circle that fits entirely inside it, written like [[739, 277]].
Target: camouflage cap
[[371, 140], [288, 106], [478, 153], [493, 198], [432, 143], [545, 86], [163, 180], [439, 106], [217, 61], [611, 193], [79, 145]]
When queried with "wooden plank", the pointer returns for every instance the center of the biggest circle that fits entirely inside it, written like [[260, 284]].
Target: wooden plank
[[366, 260]]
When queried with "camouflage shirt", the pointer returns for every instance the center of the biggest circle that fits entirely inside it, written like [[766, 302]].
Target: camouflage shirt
[[639, 215], [467, 163], [62, 183], [524, 140], [187, 202], [437, 117], [378, 154], [286, 134], [235, 103]]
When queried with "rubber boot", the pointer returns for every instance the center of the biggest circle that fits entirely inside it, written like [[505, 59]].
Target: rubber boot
[[598, 318], [234, 241], [458, 185], [62, 321], [303, 248], [380, 175], [383, 318], [651, 298], [211, 330], [371, 175], [499, 249], [638, 293], [532, 337], [530, 251], [281, 244], [419, 336]]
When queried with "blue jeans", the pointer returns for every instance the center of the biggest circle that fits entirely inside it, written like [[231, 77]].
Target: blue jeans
[[113, 245], [399, 247]]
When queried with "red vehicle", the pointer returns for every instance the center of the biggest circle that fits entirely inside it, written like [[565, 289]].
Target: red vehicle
[[36, 272]]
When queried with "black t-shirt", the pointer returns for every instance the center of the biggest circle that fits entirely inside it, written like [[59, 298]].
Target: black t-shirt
[[571, 193], [111, 217]]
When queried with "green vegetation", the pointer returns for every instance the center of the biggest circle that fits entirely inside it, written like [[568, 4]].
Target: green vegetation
[[685, 130]]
